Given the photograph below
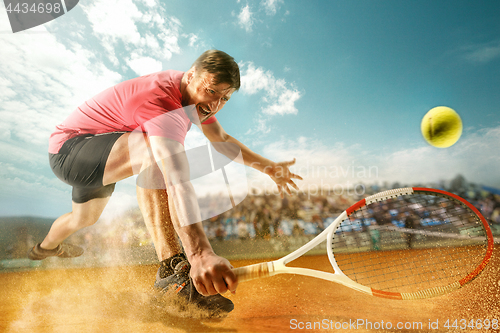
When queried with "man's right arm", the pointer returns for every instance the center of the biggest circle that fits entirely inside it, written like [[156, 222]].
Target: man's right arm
[[211, 274]]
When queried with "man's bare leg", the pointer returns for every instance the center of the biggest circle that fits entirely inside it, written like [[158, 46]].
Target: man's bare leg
[[153, 202], [128, 151], [118, 167], [83, 215], [156, 214]]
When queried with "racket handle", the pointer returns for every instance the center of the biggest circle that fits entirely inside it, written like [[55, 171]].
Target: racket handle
[[252, 272]]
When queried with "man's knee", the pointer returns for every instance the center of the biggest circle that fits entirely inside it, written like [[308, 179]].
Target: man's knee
[[151, 178], [143, 162], [87, 213]]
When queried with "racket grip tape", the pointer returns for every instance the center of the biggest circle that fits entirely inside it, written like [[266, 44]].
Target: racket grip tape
[[252, 272]]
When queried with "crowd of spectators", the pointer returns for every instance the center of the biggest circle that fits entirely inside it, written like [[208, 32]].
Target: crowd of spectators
[[267, 216]]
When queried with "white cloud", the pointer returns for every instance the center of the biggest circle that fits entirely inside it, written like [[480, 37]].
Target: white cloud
[[145, 65], [483, 53], [151, 3], [192, 39], [150, 32], [254, 79], [262, 126], [279, 98], [271, 6], [114, 19], [246, 18], [44, 81], [285, 103], [22, 187], [21, 154]]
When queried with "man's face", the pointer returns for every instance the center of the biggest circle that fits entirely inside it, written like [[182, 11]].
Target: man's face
[[207, 96]]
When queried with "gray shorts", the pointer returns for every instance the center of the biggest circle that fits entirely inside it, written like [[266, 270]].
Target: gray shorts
[[81, 162]]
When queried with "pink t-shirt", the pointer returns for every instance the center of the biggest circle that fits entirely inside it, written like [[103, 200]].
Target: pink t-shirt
[[144, 102]]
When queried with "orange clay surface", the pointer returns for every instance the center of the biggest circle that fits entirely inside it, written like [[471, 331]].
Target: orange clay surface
[[118, 300]]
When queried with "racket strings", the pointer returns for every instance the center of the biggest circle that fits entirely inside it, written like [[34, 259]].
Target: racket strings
[[410, 243], [408, 272], [417, 259]]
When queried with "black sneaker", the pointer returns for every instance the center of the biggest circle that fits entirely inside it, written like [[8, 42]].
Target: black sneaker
[[62, 250], [180, 283]]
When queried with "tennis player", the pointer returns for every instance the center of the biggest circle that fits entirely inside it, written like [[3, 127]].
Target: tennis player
[[116, 134]]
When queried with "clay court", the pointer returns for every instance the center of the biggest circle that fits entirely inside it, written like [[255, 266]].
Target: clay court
[[118, 299]]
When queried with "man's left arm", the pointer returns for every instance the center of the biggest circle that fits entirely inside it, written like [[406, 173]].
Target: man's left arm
[[279, 172]]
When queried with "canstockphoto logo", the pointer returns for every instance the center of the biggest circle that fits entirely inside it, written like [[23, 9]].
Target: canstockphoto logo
[[26, 14]]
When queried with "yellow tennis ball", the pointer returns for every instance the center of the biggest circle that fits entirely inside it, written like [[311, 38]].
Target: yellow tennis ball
[[441, 127]]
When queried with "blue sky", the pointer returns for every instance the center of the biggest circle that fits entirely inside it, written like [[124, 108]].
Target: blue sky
[[340, 85]]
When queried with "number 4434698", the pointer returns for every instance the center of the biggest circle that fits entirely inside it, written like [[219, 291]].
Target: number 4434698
[[477, 324], [25, 8]]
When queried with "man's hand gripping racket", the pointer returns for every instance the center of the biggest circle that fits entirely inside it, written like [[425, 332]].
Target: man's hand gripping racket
[[408, 243]]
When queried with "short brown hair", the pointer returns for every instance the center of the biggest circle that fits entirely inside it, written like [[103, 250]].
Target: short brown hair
[[221, 64]]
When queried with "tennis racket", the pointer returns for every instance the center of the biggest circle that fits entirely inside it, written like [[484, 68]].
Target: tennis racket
[[408, 243]]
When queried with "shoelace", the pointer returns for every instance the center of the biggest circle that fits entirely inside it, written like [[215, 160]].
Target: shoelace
[[179, 267]]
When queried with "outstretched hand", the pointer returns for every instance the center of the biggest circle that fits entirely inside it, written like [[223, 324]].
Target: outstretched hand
[[282, 176]]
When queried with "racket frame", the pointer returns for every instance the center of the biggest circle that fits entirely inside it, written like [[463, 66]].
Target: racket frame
[[278, 266]]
